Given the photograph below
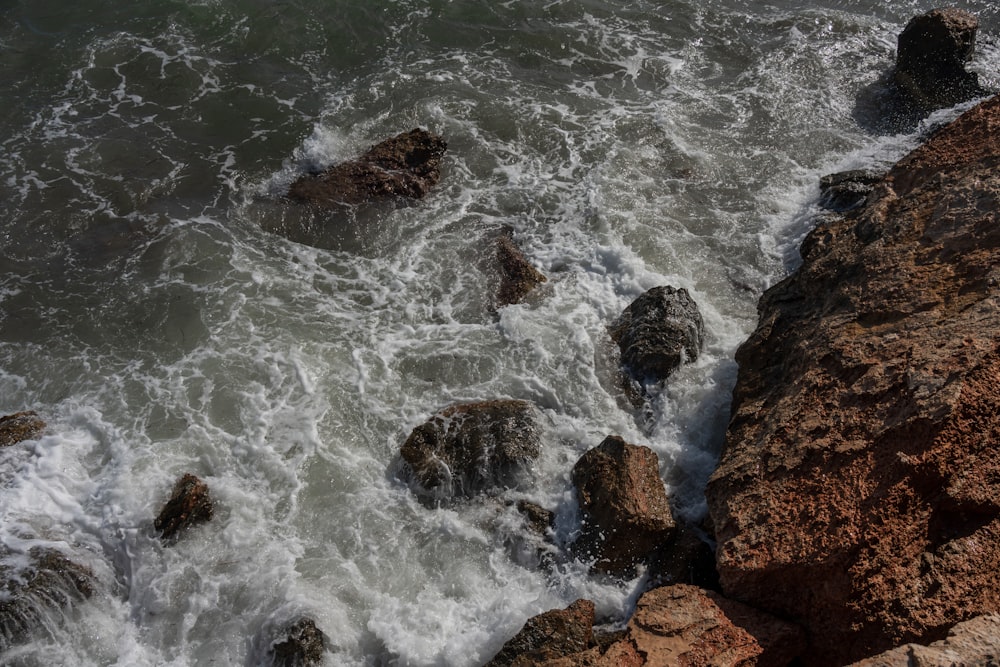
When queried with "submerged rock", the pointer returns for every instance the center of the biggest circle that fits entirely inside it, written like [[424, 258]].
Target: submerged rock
[[35, 590], [517, 277], [864, 446], [302, 644], [189, 504], [20, 426], [407, 165], [626, 513], [470, 448], [550, 635], [658, 332]]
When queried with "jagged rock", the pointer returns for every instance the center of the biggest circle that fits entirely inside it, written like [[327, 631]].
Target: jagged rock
[[302, 645], [517, 277], [658, 332], [32, 594], [549, 635], [189, 504], [626, 513], [974, 642], [470, 448], [845, 190], [407, 165], [26, 425], [858, 491]]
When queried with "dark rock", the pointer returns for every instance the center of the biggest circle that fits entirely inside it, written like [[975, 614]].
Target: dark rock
[[189, 504], [471, 448], [626, 514], [847, 189], [658, 332], [539, 519], [407, 165], [302, 645], [20, 426], [549, 635], [685, 559], [517, 277], [32, 594]]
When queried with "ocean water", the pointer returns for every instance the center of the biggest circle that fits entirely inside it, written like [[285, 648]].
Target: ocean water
[[166, 312]]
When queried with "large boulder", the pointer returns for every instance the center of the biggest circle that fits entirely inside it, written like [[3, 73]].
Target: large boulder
[[20, 426], [658, 332], [626, 513], [189, 504], [547, 636], [858, 491], [471, 448], [35, 589], [407, 165]]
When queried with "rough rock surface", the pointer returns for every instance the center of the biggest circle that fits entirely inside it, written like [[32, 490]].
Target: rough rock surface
[[189, 504], [301, 646], [658, 332], [974, 642], [552, 634], [847, 189], [34, 592], [517, 277], [407, 165], [858, 491], [626, 513], [20, 426], [471, 448]]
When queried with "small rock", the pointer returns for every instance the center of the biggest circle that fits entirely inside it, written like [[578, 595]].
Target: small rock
[[539, 519], [517, 276], [548, 636], [189, 504], [26, 425], [301, 646], [626, 514]]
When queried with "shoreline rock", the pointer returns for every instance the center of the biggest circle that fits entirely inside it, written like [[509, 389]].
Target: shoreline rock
[[517, 277], [189, 504], [20, 426]]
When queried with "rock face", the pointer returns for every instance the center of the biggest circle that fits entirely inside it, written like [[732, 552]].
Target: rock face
[[517, 277], [33, 594], [20, 426], [302, 646], [626, 514], [975, 642], [548, 636], [471, 448], [189, 504], [658, 332], [858, 491], [407, 165]]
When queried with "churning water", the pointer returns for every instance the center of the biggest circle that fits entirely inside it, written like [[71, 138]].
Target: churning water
[[166, 312]]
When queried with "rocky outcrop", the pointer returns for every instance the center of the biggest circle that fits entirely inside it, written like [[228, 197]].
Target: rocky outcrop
[[35, 588], [658, 332], [189, 504], [550, 635], [974, 642], [626, 513], [301, 645], [407, 165], [845, 190], [20, 426], [858, 491], [471, 448], [516, 277]]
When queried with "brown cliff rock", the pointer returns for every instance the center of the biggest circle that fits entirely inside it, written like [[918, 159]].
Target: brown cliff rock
[[20, 426], [189, 504], [626, 513], [975, 642], [407, 165], [858, 491], [550, 635]]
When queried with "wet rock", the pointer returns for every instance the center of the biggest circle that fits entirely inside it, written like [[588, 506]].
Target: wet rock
[[407, 165], [845, 190], [539, 519], [517, 277], [974, 642], [471, 448], [189, 504], [549, 635], [863, 450], [35, 590], [302, 645], [658, 332], [626, 514], [20, 426]]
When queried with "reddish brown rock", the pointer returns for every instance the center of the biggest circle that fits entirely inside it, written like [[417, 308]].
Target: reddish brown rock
[[301, 645], [626, 513], [20, 426], [975, 642], [516, 276], [189, 504], [858, 491], [548, 636], [407, 165], [470, 448]]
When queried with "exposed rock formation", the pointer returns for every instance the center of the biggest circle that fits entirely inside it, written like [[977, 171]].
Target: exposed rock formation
[[407, 165], [549, 635], [658, 332], [517, 277], [975, 642], [189, 504], [301, 646], [20, 426], [626, 514], [34, 594], [858, 491], [470, 448], [848, 189]]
